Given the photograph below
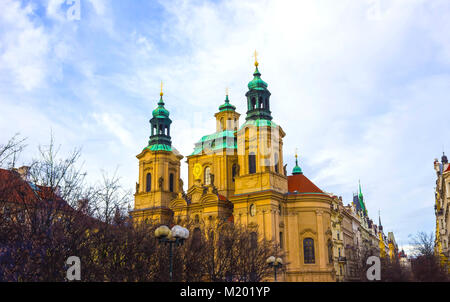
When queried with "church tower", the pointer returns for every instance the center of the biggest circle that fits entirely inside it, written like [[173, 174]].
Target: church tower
[[261, 185], [159, 171], [260, 143]]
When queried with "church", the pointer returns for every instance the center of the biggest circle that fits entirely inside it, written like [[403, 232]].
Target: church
[[237, 174]]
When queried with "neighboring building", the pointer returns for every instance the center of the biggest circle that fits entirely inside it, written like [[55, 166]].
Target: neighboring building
[[405, 262], [350, 228], [393, 248], [441, 207], [18, 196], [337, 256]]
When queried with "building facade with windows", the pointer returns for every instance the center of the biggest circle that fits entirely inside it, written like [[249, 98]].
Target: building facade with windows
[[441, 208]]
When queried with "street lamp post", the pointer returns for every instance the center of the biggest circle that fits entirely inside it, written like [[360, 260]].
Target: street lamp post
[[275, 263], [175, 236]]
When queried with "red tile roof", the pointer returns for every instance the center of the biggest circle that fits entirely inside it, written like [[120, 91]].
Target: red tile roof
[[13, 189], [302, 184]]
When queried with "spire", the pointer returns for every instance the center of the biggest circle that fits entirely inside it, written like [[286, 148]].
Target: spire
[[297, 170], [160, 126], [161, 102], [258, 97], [444, 159], [227, 106], [361, 199], [379, 221]]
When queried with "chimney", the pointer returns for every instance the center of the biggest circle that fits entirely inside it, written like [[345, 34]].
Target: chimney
[[24, 172]]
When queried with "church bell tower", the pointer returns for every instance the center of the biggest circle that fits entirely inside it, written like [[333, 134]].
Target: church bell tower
[[159, 171]]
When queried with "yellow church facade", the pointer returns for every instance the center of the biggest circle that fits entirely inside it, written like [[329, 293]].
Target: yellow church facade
[[237, 174]]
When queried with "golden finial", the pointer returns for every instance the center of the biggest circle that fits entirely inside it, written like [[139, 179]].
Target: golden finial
[[226, 91], [256, 58], [161, 94], [296, 150]]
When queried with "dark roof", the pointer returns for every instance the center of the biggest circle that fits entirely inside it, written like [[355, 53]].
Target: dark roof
[[299, 183]]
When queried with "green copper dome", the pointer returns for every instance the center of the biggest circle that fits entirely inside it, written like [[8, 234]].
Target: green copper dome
[[257, 83], [227, 106], [160, 111], [297, 169]]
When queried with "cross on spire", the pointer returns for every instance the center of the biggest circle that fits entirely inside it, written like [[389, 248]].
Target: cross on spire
[[255, 54]]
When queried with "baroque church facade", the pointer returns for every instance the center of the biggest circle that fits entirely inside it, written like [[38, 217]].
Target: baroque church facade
[[237, 174]]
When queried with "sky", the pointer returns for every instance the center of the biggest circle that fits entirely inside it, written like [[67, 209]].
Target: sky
[[361, 88]]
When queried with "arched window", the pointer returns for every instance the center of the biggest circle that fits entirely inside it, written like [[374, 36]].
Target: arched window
[[276, 163], [308, 250], [207, 176], [251, 163], [234, 172], [148, 182], [253, 104], [171, 182]]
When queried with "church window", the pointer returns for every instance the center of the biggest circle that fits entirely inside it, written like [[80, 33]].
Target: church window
[[308, 250], [207, 176], [148, 183], [251, 163], [171, 182], [340, 269], [253, 103], [339, 252]]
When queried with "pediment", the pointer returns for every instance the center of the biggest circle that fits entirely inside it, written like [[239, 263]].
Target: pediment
[[195, 194], [178, 202], [308, 230]]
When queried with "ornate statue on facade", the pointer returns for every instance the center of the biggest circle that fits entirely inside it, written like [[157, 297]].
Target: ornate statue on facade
[[137, 188], [180, 184], [160, 182], [211, 177], [285, 169]]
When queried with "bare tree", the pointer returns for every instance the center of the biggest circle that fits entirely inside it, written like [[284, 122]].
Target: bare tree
[[425, 264], [10, 151]]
